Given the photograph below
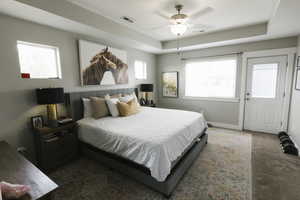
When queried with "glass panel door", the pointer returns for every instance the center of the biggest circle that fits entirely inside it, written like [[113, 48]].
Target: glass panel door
[[264, 80], [264, 93]]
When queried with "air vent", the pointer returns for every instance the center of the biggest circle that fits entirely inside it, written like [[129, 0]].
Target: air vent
[[127, 19]]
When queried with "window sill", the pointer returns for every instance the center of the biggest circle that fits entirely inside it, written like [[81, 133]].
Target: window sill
[[235, 100], [140, 79]]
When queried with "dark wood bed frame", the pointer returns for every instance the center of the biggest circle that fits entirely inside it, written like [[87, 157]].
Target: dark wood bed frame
[[130, 168]]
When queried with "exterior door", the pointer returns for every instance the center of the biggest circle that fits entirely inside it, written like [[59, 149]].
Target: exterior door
[[265, 93]]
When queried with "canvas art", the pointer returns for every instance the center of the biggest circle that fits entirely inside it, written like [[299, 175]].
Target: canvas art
[[297, 84], [170, 84], [102, 65]]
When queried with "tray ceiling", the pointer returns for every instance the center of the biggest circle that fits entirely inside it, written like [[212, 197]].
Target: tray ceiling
[[225, 14]]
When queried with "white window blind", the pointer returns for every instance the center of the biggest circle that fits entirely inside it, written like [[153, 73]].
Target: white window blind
[[140, 70], [211, 78], [264, 80], [39, 61]]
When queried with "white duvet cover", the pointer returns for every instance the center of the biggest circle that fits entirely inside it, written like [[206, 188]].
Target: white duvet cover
[[154, 137]]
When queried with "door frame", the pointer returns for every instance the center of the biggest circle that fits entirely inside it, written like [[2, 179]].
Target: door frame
[[290, 53]]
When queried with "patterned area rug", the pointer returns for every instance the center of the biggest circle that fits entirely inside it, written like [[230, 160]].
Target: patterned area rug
[[222, 172]]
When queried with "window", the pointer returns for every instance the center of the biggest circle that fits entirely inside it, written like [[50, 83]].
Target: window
[[38, 61], [264, 78], [140, 69], [214, 78]]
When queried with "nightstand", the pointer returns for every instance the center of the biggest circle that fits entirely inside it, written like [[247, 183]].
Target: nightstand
[[56, 146]]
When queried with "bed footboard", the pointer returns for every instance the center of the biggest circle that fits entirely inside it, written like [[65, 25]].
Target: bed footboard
[[142, 174]]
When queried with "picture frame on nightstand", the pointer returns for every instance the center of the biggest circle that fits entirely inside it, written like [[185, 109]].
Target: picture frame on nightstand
[[297, 83], [37, 121]]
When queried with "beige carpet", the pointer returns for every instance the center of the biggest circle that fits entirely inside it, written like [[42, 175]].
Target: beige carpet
[[276, 175], [222, 172]]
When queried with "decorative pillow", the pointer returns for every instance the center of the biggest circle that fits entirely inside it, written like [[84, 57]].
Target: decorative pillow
[[87, 107], [112, 106], [114, 96], [126, 98], [129, 97], [136, 99], [99, 107], [126, 109]]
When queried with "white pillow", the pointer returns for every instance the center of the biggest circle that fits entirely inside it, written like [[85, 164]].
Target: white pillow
[[134, 96], [129, 97], [126, 98], [87, 107], [112, 106]]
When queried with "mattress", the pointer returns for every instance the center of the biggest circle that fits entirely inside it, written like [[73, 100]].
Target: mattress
[[154, 137]]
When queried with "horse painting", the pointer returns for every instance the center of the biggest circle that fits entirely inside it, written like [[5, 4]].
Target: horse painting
[[105, 64]]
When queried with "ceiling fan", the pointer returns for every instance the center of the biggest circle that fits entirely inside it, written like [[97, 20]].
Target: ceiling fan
[[179, 21]]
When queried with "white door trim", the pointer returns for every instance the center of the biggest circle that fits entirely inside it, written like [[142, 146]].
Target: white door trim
[[290, 53]]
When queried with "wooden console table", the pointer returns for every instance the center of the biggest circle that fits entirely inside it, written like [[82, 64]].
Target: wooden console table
[[14, 168]]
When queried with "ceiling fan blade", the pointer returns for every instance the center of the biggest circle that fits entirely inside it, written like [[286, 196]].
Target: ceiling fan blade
[[202, 26], [198, 31], [201, 12], [159, 27], [162, 15]]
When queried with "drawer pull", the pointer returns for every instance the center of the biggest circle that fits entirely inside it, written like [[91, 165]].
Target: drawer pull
[[52, 139]]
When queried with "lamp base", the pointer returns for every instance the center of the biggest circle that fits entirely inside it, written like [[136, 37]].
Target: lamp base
[[142, 101], [52, 115]]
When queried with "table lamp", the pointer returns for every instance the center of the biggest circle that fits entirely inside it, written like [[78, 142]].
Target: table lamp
[[146, 88], [50, 97]]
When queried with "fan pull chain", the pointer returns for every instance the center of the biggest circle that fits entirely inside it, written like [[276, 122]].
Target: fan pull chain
[[178, 47], [178, 51]]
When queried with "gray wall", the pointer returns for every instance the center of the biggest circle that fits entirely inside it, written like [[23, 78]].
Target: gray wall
[[214, 111], [294, 121], [17, 95]]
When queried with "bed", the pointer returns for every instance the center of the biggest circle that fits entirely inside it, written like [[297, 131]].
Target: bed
[[155, 146]]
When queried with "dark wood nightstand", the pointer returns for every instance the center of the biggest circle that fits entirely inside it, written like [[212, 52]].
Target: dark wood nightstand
[[56, 146]]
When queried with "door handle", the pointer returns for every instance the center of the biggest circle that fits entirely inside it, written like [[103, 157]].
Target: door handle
[[247, 99], [248, 93]]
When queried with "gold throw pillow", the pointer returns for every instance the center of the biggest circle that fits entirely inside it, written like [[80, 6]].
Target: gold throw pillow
[[99, 107], [129, 108]]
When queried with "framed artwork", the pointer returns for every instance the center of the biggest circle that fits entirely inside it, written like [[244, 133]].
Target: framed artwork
[[37, 121], [170, 84], [297, 84], [102, 65], [298, 61]]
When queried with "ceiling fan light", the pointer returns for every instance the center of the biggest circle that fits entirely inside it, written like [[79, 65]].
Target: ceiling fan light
[[178, 29], [180, 21], [179, 18]]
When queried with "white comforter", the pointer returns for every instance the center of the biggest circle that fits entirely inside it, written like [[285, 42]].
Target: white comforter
[[153, 137]]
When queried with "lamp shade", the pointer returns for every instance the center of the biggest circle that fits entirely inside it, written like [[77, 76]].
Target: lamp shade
[[146, 87], [50, 95]]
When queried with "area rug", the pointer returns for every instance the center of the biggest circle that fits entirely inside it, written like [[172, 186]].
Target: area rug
[[221, 172]]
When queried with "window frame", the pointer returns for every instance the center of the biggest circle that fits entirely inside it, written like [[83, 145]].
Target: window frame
[[215, 58], [57, 56], [144, 65]]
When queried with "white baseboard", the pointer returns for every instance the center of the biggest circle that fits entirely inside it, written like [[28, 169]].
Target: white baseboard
[[224, 125]]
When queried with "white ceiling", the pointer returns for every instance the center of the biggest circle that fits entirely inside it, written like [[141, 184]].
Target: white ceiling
[[225, 14], [233, 21]]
